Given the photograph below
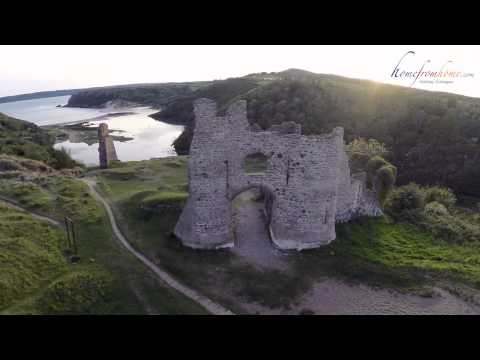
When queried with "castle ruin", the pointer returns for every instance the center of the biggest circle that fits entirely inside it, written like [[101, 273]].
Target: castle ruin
[[106, 148], [307, 182]]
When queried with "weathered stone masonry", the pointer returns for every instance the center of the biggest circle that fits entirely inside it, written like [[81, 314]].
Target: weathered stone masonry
[[307, 183], [106, 149]]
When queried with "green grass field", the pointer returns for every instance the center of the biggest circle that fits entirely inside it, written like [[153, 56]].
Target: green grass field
[[31, 255], [106, 280]]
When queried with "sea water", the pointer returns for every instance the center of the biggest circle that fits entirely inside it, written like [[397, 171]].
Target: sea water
[[149, 138]]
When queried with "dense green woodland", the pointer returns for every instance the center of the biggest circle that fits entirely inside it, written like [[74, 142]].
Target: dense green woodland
[[433, 137]]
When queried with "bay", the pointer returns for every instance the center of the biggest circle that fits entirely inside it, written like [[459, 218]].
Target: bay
[[149, 138]]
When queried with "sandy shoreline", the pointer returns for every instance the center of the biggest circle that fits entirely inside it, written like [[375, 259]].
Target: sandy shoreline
[[334, 297], [96, 118]]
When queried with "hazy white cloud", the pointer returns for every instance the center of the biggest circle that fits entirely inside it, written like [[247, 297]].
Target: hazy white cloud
[[36, 68]]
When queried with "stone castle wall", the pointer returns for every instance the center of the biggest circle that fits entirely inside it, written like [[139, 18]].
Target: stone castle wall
[[106, 149], [307, 181]]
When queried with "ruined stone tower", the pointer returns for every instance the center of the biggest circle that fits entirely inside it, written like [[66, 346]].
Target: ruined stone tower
[[307, 182], [106, 149]]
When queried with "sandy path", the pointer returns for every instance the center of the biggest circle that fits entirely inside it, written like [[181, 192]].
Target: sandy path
[[208, 304]]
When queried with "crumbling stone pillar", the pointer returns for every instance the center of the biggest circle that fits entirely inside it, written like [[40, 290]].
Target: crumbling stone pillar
[[106, 149]]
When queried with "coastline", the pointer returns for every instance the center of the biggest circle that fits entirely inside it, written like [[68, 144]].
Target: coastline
[[87, 120]]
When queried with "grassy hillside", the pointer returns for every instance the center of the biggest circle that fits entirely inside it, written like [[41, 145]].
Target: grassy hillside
[[30, 255], [21, 138], [433, 137], [38, 95], [37, 278], [145, 94], [36, 275]]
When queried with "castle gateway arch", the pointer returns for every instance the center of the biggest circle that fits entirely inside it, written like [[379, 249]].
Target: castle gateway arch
[[307, 181]]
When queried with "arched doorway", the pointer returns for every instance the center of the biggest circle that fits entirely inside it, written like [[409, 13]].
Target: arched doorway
[[251, 215]]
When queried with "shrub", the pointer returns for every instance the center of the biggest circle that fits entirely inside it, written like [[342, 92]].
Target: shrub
[[9, 165], [371, 147], [385, 179], [440, 195], [362, 150], [450, 228], [33, 151], [405, 199], [78, 293], [34, 165], [61, 159], [435, 207], [406, 203], [375, 163], [164, 203], [165, 199], [120, 173], [115, 164], [27, 193], [381, 176]]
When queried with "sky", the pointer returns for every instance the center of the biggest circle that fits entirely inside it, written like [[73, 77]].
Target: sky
[[25, 69]]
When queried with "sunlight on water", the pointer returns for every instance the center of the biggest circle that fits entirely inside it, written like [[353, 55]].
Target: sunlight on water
[[151, 138]]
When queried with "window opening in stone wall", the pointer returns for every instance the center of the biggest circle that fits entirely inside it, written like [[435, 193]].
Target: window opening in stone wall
[[255, 164]]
